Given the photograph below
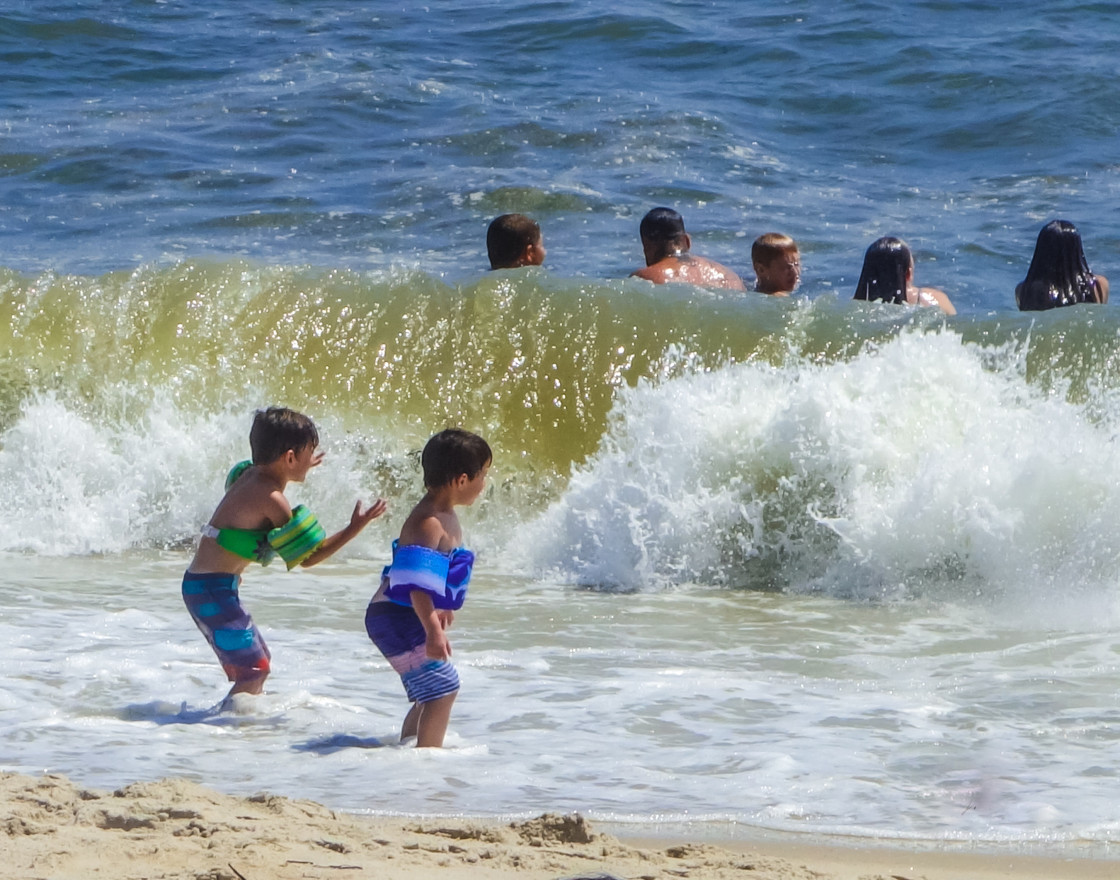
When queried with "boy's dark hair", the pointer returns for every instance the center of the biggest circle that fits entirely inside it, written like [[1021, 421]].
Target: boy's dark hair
[[451, 453], [507, 237], [276, 430], [770, 246]]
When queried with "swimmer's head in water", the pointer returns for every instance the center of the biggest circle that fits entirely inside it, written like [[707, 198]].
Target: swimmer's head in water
[[1059, 273], [777, 262], [886, 266], [514, 240], [662, 232]]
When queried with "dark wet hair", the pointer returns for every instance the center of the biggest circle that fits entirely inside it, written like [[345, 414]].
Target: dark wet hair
[[276, 430], [507, 237], [1059, 274], [662, 227], [451, 453], [885, 265]]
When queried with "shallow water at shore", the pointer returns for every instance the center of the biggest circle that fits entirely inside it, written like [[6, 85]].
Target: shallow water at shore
[[727, 710]]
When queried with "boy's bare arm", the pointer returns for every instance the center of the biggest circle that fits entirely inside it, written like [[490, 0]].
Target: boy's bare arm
[[437, 647], [359, 519]]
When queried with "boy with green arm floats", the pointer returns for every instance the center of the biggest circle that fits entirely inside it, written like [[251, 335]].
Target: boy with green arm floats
[[254, 523]]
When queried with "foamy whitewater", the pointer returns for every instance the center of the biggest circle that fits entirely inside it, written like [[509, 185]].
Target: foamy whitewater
[[744, 564]]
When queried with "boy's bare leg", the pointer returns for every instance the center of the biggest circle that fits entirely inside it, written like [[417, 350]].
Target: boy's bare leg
[[408, 728], [432, 723], [252, 685]]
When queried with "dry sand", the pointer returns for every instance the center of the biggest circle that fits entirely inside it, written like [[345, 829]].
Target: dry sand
[[177, 830]]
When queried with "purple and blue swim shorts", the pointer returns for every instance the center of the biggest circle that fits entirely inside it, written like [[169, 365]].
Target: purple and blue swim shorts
[[213, 602]]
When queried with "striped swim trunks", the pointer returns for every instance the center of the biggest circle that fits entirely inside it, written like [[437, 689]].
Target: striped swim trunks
[[215, 607], [399, 635]]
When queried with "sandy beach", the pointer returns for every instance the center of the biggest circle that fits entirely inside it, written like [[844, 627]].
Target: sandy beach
[[177, 830]]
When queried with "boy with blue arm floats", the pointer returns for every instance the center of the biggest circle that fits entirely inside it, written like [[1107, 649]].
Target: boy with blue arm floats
[[426, 583], [255, 523]]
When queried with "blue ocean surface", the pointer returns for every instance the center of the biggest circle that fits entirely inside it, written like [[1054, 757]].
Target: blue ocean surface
[[367, 137], [744, 563]]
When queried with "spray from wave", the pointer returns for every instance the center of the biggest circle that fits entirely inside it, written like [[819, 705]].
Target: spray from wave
[[921, 464]]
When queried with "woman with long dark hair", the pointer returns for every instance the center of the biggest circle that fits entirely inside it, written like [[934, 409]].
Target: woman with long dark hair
[[1059, 274], [888, 276]]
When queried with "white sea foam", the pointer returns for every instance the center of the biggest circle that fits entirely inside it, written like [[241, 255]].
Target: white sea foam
[[922, 465]]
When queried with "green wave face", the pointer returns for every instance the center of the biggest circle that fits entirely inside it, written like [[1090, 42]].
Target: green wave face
[[528, 360], [143, 384]]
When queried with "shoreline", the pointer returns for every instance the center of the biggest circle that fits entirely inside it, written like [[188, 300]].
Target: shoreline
[[781, 840], [879, 859], [178, 830]]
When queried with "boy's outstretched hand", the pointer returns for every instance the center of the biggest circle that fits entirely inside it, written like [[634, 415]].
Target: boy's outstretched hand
[[360, 519]]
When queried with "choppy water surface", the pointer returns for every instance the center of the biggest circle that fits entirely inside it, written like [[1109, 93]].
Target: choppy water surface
[[339, 136]]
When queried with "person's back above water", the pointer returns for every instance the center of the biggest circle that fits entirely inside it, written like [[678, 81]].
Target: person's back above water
[[888, 276], [1059, 273], [668, 258], [513, 241]]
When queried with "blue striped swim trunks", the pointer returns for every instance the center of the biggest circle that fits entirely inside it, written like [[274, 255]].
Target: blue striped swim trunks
[[214, 605], [399, 635]]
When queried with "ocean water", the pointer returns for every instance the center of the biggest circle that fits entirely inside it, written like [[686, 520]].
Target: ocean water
[[744, 565]]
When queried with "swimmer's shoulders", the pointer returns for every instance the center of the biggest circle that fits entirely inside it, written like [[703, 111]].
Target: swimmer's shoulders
[[941, 298], [658, 273], [719, 273]]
